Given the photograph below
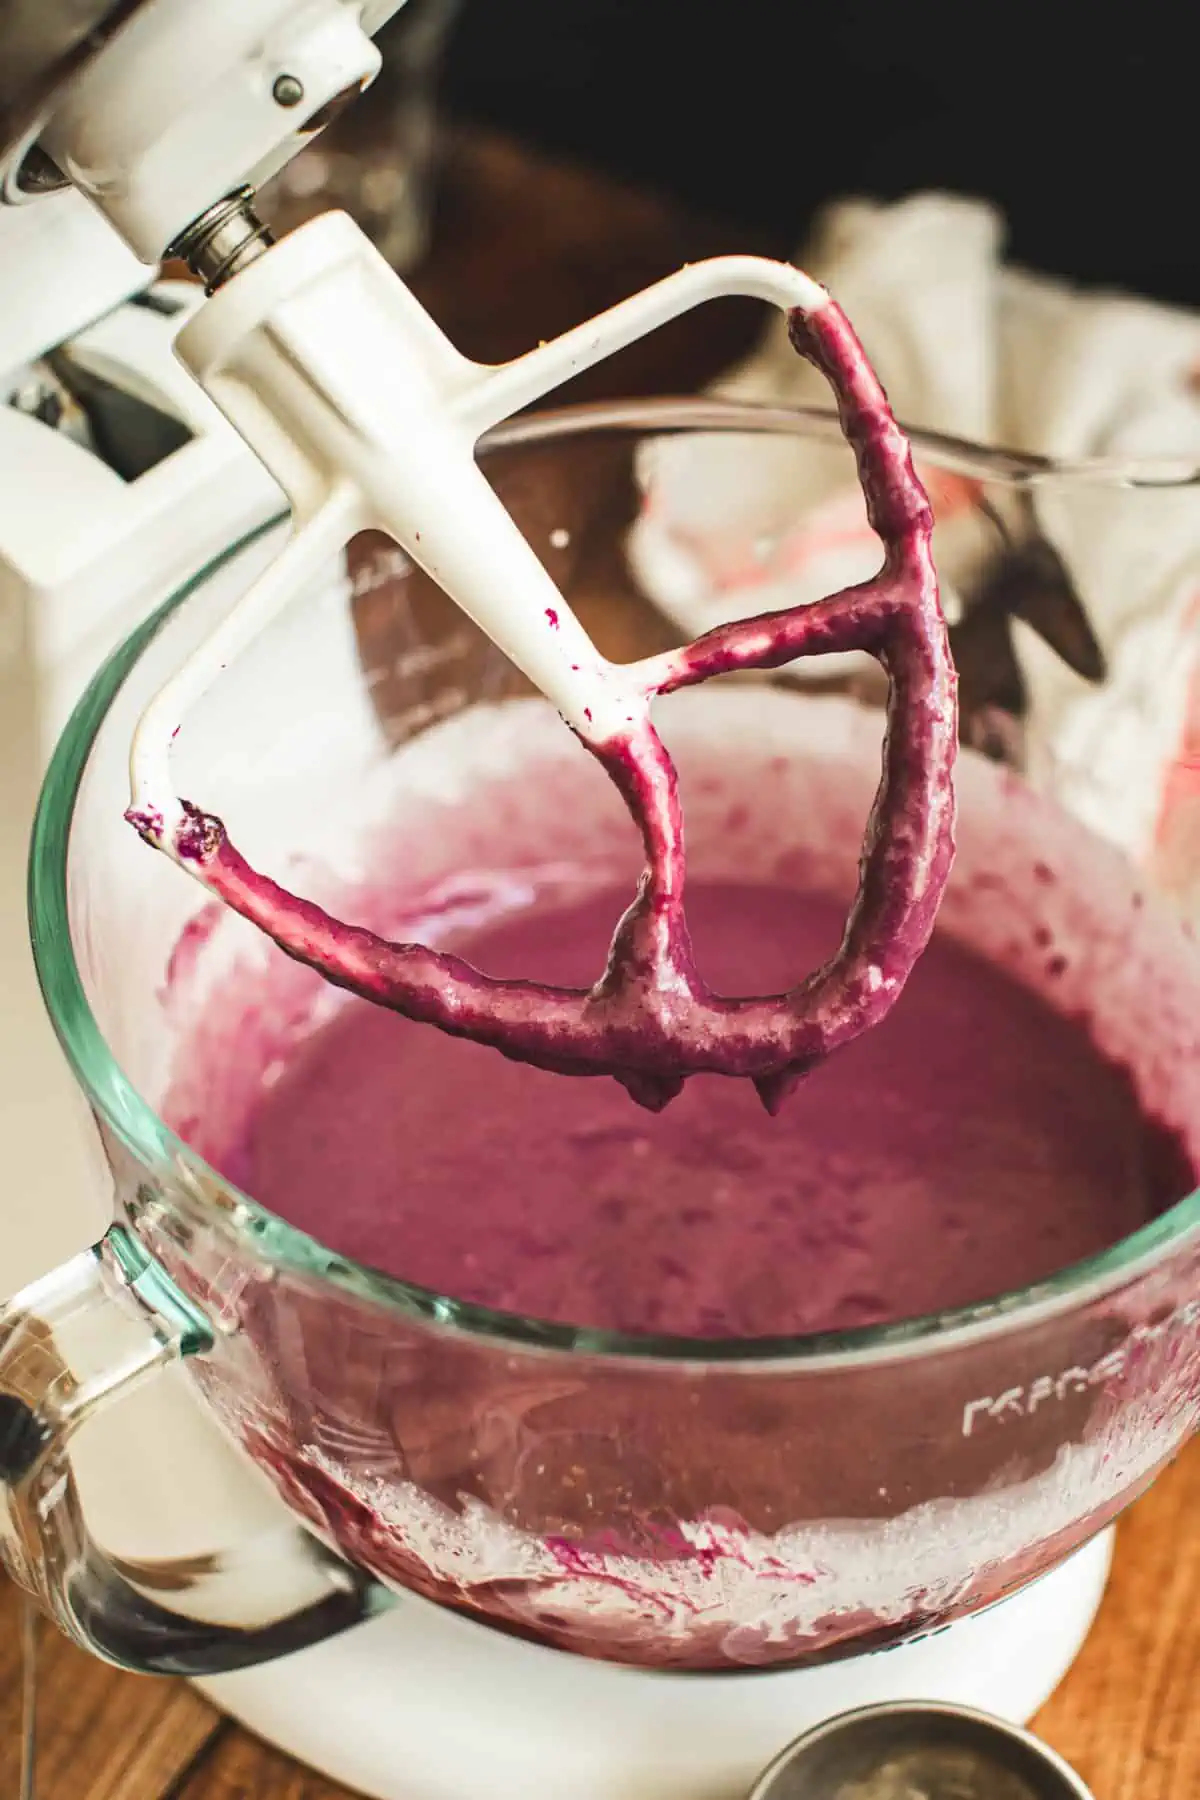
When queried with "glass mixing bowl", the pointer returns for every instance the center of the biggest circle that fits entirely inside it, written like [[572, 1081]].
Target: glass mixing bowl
[[668, 1503]]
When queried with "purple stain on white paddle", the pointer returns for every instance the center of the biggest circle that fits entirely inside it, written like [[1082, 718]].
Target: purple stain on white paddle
[[650, 1021]]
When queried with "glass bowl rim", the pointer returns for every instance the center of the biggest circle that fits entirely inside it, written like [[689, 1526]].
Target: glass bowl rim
[[118, 1104]]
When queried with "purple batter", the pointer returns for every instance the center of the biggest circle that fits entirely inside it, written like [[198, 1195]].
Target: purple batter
[[999, 1124], [652, 1020], [973, 1143]]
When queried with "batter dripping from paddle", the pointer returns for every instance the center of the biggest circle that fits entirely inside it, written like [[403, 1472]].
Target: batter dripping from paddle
[[651, 1021]]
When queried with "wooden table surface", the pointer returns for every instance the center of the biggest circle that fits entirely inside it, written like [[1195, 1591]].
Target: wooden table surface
[[523, 251]]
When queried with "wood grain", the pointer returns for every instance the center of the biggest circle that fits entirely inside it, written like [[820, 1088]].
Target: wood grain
[[523, 251], [1127, 1715], [102, 1735], [237, 1766]]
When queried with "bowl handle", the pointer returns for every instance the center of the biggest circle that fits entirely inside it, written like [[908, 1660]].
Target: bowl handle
[[70, 1343]]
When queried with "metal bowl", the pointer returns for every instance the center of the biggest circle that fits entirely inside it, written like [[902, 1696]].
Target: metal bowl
[[907, 1751]]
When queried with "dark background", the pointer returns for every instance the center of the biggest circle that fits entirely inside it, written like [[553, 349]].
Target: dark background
[[1086, 133]]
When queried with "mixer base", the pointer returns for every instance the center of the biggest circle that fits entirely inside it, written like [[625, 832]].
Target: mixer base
[[422, 1705]]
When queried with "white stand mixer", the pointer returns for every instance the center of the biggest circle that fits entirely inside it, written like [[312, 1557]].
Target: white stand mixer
[[418, 1704]]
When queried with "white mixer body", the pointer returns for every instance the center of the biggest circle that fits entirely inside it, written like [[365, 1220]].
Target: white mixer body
[[84, 555], [189, 101], [39, 308]]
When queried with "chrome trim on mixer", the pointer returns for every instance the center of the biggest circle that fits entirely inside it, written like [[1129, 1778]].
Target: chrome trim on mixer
[[226, 238]]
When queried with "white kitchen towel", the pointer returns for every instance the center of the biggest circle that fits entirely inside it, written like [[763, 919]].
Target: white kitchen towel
[[969, 347]]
